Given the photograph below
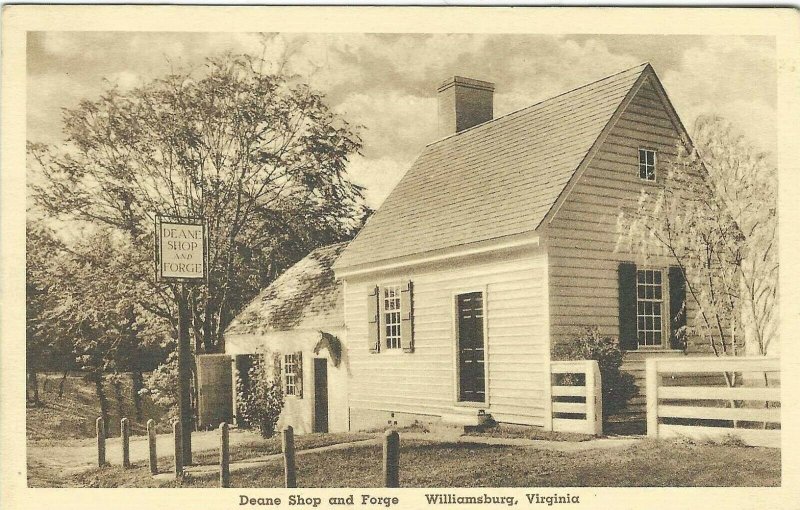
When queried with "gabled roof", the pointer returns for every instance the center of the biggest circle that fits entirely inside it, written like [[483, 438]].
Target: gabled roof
[[497, 179], [306, 295]]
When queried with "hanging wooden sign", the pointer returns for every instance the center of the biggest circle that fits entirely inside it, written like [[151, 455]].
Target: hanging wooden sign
[[181, 250]]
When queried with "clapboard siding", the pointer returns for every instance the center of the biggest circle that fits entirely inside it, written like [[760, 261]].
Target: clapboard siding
[[583, 236], [423, 382]]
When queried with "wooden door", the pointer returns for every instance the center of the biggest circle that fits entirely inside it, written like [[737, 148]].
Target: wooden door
[[471, 366], [320, 395]]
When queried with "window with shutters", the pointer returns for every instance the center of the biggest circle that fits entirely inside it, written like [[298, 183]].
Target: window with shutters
[[290, 374], [650, 307], [647, 164], [390, 311]]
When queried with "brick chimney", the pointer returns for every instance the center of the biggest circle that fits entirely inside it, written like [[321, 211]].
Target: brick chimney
[[463, 103]]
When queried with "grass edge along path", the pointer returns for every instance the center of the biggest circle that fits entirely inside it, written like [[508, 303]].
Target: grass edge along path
[[461, 464]]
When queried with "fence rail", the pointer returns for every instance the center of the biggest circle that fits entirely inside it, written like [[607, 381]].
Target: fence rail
[[751, 403], [577, 407]]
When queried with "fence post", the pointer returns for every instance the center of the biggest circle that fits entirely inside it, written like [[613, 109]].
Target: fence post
[[224, 456], [125, 432], [594, 398], [151, 440], [651, 394], [176, 432], [101, 442], [289, 468], [391, 459]]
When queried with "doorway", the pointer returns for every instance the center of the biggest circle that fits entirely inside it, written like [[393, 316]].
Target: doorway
[[320, 395], [471, 363]]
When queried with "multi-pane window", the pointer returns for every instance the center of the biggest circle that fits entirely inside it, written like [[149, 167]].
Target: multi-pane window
[[649, 307], [290, 374], [647, 164], [391, 316]]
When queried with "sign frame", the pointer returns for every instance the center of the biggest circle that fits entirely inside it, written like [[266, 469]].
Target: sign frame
[[161, 219]]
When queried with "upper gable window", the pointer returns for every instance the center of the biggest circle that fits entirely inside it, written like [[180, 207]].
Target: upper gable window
[[647, 164]]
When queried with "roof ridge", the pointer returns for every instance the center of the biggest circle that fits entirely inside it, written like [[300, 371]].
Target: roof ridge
[[448, 137]]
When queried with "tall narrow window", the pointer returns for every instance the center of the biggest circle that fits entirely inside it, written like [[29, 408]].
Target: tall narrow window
[[649, 307], [647, 164], [290, 374], [391, 316]]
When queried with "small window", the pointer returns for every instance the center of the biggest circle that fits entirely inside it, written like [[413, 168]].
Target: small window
[[649, 307], [290, 374], [647, 164], [391, 316]]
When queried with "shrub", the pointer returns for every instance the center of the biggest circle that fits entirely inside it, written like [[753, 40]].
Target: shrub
[[259, 395], [618, 386], [162, 386]]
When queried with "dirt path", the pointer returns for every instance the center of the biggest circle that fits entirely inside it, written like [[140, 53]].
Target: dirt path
[[79, 455]]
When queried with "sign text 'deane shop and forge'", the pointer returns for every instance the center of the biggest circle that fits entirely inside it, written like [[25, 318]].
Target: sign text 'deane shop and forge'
[[181, 251]]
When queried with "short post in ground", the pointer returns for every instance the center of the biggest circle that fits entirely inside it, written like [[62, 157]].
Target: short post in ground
[[289, 468], [125, 431], [224, 456], [176, 432], [651, 395], [151, 441], [391, 459], [101, 442]]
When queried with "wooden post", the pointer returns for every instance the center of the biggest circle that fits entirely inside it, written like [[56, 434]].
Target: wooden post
[[151, 440], [594, 396], [598, 399], [224, 456], [185, 375], [125, 432], [101, 442], [391, 459], [176, 432], [289, 468], [651, 394]]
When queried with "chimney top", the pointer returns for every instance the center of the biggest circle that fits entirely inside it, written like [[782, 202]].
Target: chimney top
[[464, 103], [466, 82]]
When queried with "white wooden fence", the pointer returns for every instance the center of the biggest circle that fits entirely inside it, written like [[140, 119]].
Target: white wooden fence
[[585, 416], [752, 402]]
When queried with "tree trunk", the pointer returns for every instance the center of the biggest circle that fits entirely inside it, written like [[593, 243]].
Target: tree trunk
[[137, 385], [33, 381], [101, 398], [118, 396], [61, 384]]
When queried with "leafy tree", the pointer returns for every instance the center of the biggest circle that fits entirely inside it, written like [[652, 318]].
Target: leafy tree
[[259, 156], [47, 348], [716, 218], [94, 308]]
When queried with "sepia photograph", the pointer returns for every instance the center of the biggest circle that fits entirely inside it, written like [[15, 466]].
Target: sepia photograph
[[282, 259]]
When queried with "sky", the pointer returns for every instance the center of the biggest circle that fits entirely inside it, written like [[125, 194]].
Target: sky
[[387, 83]]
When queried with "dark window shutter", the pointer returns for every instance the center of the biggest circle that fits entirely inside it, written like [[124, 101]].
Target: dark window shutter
[[277, 367], [407, 316], [373, 332], [677, 307], [298, 370], [627, 306]]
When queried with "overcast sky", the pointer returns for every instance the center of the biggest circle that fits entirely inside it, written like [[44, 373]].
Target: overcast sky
[[387, 82]]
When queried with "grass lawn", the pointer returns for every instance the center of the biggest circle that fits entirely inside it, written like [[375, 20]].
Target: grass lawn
[[505, 431], [272, 445], [434, 464]]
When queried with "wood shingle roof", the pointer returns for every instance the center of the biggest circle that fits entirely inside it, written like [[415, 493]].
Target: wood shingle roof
[[497, 179], [306, 295]]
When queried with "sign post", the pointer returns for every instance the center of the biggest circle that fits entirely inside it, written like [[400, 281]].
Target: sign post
[[182, 258]]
